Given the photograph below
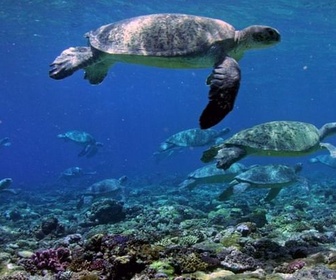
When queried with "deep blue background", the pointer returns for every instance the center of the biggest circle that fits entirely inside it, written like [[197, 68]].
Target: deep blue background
[[137, 107]]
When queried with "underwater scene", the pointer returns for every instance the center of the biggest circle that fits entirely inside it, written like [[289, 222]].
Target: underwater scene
[[180, 140]]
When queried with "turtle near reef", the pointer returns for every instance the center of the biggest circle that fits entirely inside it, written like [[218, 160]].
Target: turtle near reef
[[75, 172], [171, 41], [210, 174], [327, 160], [273, 176], [5, 186], [277, 138], [193, 137], [84, 139], [107, 187]]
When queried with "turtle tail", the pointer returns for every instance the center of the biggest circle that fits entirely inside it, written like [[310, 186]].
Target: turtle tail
[[69, 61]]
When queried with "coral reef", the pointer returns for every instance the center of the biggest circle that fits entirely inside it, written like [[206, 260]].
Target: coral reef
[[167, 236]]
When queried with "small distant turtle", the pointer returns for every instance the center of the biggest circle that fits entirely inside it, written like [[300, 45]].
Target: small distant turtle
[[5, 184], [5, 142], [273, 176], [210, 174], [74, 172], [324, 159], [107, 187], [193, 137], [277, 138], [171, 41], [84, 139]]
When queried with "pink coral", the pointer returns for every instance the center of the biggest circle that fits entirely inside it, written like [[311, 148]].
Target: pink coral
[[52, 259]]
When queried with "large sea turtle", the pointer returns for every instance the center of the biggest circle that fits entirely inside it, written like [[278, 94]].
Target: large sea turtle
[[84, 139], [277, 138], [273, 176], [107, 187], [210, 174], [193, 137], [171, 41]]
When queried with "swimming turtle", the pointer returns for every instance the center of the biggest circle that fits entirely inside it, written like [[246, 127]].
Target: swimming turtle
[[5, 184], [273, 176], [84, 139], [193, 137], [324, 159], [5, 142], [74, 172], [107, 187], [210, 174], [277, 138], [170, 41]]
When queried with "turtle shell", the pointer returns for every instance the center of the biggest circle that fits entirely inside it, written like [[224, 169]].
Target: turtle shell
[[194, 137], [268, 175], [284, 137], [105, 186], [79, 136], [211, 170], [162, 35]]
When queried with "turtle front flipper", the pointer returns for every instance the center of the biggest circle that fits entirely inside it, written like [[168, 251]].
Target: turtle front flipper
[[69, 61], [224, 85]]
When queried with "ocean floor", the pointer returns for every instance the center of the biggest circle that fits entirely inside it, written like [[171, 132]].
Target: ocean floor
[[157, 231]]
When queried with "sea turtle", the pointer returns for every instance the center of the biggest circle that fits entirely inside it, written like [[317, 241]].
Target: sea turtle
[[74, 172], [5, 142], [324, 159], [107, 187], [84, 139], [171, 41], [277, 138], [210, 174], [273, 176], [193, 137], [5, 184]]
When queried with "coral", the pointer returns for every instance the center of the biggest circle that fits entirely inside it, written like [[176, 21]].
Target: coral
[[89, 277], [291, 267], [52, 259], [49, 225], [106, 211], [237, 261], [188, 240], [246, 228], [191, 263], [163, 267], [231, 240]]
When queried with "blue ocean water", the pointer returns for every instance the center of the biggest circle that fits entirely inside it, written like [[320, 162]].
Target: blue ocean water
[[137, 107]]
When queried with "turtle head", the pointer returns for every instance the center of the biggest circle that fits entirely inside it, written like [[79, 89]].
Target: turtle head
[[257, 37], [298, 167]]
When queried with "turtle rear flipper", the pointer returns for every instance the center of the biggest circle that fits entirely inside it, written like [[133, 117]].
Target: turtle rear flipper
[[272, 194], [69, 61], [224, 85], [89, 151], [331, 148]]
